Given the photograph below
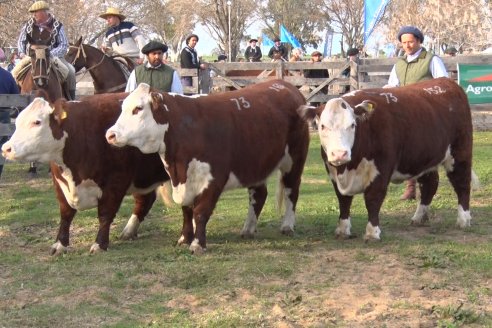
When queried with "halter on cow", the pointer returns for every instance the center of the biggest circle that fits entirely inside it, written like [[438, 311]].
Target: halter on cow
[[107, 74]]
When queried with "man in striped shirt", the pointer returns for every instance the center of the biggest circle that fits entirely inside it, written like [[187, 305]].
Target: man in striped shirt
[[122, 37]]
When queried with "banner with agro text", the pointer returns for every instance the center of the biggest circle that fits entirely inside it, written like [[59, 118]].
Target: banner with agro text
[[476, 80]]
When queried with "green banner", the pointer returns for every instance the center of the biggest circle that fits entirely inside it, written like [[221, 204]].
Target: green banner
[[476, 80]]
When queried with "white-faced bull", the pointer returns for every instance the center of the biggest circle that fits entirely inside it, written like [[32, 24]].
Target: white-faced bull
[[223, 141], [372, 137]]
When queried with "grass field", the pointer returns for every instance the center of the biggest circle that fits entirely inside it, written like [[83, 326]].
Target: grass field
[[431, 276]]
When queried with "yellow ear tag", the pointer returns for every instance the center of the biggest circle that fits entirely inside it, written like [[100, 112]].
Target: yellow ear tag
[[370, 107], [63, 115]]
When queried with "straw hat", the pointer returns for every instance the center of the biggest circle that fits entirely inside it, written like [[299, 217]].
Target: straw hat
[[39, 5], [112, 12]]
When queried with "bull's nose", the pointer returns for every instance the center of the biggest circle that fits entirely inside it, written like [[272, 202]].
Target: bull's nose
[[111, 137], [6, 151]]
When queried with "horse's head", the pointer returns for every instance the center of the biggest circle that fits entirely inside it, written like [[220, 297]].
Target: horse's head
[[40, 61], [76, 55]]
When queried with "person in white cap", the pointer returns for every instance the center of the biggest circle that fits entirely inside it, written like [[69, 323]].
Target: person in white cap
[[43, 25], [123, 37]]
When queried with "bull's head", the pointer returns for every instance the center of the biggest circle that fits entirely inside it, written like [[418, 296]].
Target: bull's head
[[336, 127], [136, 125], [37, 135]]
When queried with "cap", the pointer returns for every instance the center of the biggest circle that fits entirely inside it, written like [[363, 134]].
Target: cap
[[112, 12], [153, 46], [253, 40], [450, 51], [39, 5], [316, 53], [276, 39], [222, 57], [411, 30]]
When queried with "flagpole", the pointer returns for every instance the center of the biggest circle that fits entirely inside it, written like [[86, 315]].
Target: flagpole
[[229, 27]]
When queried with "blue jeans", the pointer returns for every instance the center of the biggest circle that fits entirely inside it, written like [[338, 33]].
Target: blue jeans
[[4, 118]]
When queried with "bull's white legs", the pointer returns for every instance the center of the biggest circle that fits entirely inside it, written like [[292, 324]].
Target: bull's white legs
[[289, 220], [249, 227], [58, 249], [195, 247], [464, 218], [131, 229], [372, 232], [343, 228], [95, 248], [421, 215]]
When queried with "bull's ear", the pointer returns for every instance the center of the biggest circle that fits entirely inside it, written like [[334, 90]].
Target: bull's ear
[[157, 100], [58, 111], [365, 108], [310, 113]]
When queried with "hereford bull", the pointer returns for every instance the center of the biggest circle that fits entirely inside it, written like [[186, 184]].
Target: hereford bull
[[215, 143], [86, 171], [374, 136]]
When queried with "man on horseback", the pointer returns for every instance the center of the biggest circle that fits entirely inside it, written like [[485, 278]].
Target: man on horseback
[[44, 26], [155, 73], [123, 38]]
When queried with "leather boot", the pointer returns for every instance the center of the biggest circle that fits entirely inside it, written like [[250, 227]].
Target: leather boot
[[409, 192]]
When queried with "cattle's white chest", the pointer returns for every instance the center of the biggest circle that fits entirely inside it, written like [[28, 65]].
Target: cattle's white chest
[[352, 182], [198, 177], [80, 197]]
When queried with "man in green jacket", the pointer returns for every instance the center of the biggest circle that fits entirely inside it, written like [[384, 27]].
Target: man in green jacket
[[416, 65], [155, 73]]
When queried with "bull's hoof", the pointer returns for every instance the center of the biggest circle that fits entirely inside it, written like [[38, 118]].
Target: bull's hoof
[[373, 233], [247, 234], [95, 248], [463, 224], [287, 230], [343, 236], [58, 249], [182, 241], [196, 249], [128, 235]]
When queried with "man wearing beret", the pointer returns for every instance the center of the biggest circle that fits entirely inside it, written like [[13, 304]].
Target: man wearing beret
[[156, 74], [416, 65]]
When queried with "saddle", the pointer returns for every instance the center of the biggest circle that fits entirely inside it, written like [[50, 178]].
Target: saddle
[[20, 70], [126, 64]]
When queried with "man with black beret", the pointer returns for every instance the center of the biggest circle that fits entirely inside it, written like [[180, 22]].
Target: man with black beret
[[156, 74], [416, 65]]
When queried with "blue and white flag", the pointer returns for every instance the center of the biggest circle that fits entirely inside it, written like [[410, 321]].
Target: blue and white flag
[[266, 41], [373, 10], [285, 36]]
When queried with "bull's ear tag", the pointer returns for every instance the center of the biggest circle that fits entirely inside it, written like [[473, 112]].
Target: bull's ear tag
[[62, 115], [370, 107]]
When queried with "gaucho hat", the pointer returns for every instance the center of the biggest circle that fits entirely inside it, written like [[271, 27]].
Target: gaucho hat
[[191, 36], [352, 52], [112, 12], [253, 40], [153, 46], [39, 5], [411, 30]]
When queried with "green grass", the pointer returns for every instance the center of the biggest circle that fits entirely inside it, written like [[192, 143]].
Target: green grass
[[435, 275]]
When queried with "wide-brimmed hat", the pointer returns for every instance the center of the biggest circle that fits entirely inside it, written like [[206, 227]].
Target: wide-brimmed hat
[[316, 53], [411, 30], [253, 40], [450, 51], [39, 5], [221, 57], [277, 39], [352, 52], [153, 46], [112, 12], [191, 36]]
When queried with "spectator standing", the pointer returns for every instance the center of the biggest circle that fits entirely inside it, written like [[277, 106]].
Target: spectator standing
[[416, 65], [156, 74], [189, 58], [450, 52], [122, 37], [253, 53], [13, 60], [278, 47], [43, 25], [296, 55], [7, 86]]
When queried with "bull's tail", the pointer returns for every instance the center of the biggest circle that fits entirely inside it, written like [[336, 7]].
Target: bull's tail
[[165, 191], [280, 194], [475, 182]]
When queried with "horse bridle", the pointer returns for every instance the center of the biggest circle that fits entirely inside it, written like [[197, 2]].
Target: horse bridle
[[45, 63], [80, 50]]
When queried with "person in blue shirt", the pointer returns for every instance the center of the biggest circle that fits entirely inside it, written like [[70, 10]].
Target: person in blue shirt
[[7, 86]]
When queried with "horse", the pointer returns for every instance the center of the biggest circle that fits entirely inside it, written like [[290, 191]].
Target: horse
[[106, 72], [41, 75]]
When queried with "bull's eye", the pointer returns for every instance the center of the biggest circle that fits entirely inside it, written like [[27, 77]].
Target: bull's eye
[[36, 122], [323, 127], [136, 110], [344, 106], [352, 126]]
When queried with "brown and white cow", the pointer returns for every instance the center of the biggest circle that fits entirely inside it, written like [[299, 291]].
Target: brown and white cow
[[375, 136], [87, 172], [219, 142]]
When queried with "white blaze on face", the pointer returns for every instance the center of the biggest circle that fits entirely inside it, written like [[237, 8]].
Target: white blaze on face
[[337, 131], [198, 177], [33, 138], [136, 125]]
